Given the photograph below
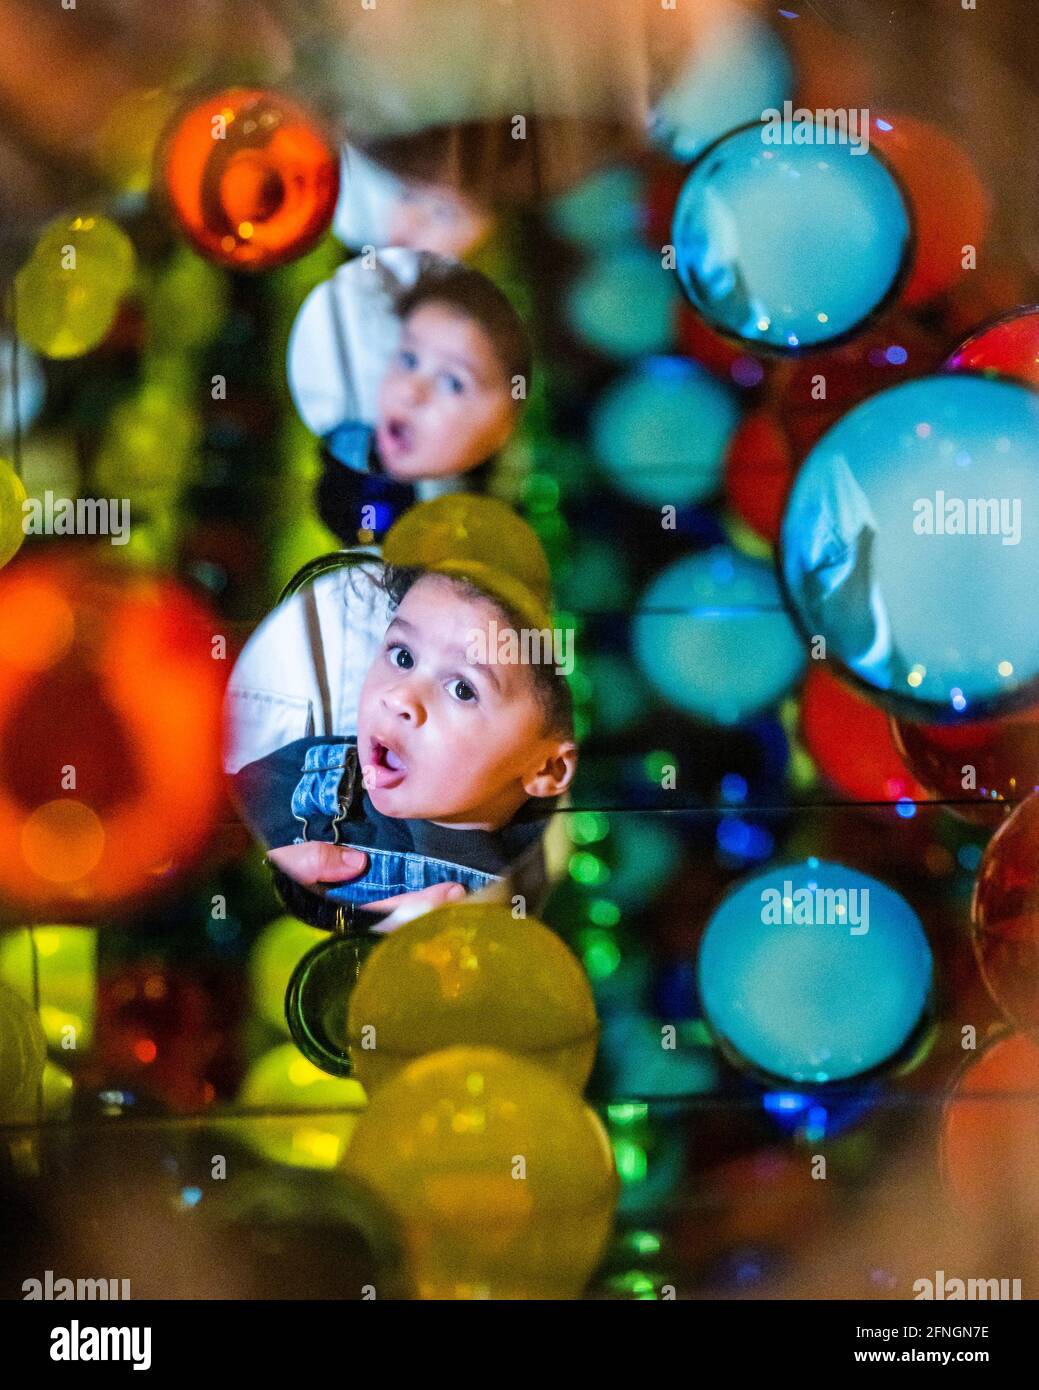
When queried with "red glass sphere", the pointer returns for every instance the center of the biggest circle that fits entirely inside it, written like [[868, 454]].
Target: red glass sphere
[[999, 756], [110, 702], [759, 468], [951, 205], [811, 394], [850, 741], [706, 346], [664, 181], [250, 178], [1009, 347], [1005, 916]]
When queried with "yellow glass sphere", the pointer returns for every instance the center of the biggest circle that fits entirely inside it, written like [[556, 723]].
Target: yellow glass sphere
[[68, 292], [91, 248], [66, 976], [23, 1052], [187, 303], [464, 527], [149, 449], [58, 316], [124, 150], [58, 1089], [277, 951], [283, 1079], [503, 1180], [473, 974], [12, 515]]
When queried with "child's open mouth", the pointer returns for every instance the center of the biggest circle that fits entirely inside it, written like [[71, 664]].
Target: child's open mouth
[[384, 766], [397, 436]]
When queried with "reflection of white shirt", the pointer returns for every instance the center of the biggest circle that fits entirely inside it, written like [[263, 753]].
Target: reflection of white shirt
[[344, 337], [719, 266], [301, 672], [828, 559], [368, 195]]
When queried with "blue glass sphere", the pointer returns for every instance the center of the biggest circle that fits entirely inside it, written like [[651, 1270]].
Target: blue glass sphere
[[739, 69], [720, 644], [624, 303], [814, 972], [603, 211], [908, 545], [787, 246], [660, 432]]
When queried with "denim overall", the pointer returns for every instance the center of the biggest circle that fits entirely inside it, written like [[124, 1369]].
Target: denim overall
[[325, 794]]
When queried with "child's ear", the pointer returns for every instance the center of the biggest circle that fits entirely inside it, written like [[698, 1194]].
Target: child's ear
[[555, 772]]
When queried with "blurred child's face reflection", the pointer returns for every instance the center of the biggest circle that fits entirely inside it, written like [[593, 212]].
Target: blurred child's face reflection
[[445, 404], [429, 218]]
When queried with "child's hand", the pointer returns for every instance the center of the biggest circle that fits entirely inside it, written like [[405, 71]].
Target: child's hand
[[315, 863], [408, 905]]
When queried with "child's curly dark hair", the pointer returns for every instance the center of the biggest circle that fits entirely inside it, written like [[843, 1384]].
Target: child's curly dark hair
[[471, 294]]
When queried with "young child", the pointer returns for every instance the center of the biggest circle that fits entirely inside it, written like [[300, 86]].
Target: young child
[[453, 754], [446, 405]]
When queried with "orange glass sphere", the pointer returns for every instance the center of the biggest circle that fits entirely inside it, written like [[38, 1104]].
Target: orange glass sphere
[[1005, 914], [951, 205], [980, 762], [990, 1133], [250, 178], [110, 702]]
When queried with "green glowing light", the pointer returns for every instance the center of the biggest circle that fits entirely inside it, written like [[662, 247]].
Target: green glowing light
[[588, 826], [600, 954], [655, 763], [632, 1163], [635, 1284], [604, 912], [588, 868], [645, 1242], [541, 493], [626, 1112]]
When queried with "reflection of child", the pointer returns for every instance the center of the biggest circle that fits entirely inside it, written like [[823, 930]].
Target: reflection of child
[[437, 785], [446, 404], [831, 573], [377, 208]]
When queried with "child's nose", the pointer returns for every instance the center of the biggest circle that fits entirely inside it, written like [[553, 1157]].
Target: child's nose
[[405, 701], [417, 387]]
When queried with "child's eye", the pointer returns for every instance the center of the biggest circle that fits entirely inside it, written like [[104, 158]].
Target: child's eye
[[463, 691], [400, 656], [454, 385], [408, 359]]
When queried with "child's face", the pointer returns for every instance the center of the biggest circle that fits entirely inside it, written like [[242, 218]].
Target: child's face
[[445, 404], [443, 740], [439, 219]]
